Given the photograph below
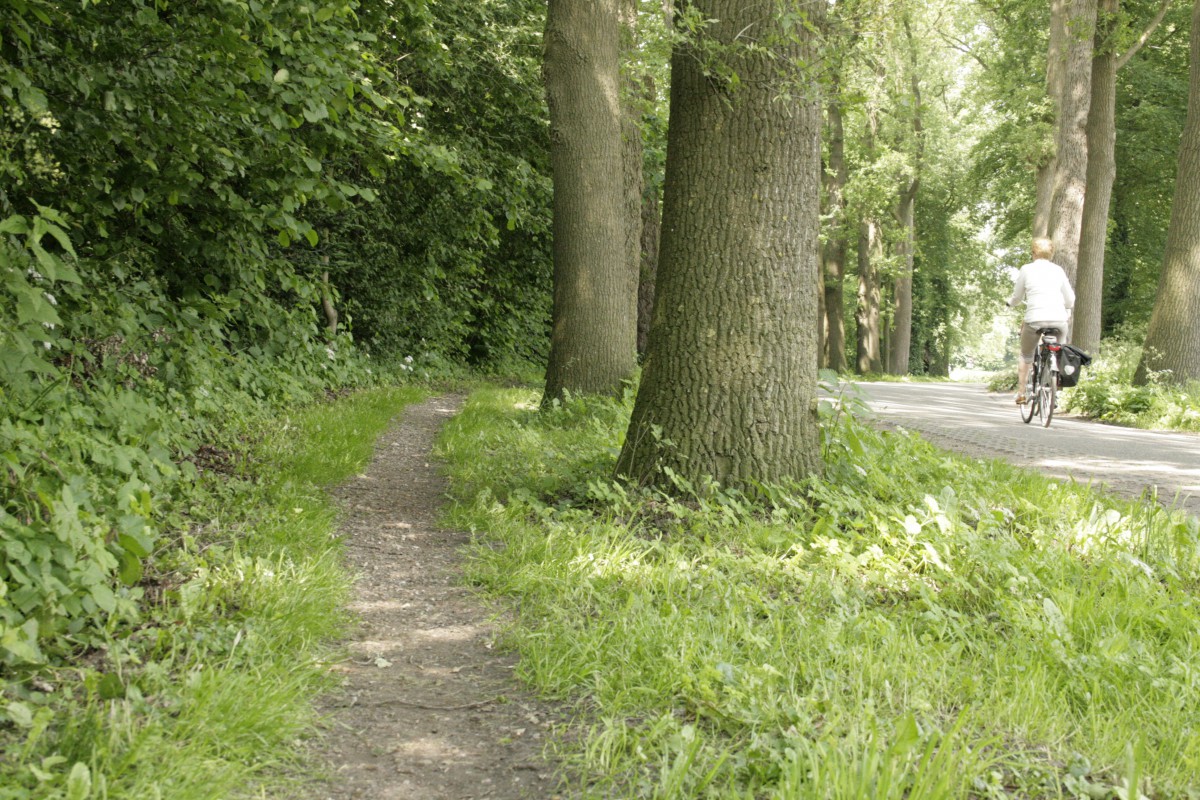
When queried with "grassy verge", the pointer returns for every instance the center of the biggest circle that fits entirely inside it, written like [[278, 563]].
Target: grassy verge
[[913, 625], [209, 695]]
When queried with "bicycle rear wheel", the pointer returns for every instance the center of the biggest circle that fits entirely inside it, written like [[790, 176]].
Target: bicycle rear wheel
[[1046, 397], [1029, 407]]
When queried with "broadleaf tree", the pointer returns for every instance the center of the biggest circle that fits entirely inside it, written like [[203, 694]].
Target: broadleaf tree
[[728, 391], [594, 329], [1172, 348]]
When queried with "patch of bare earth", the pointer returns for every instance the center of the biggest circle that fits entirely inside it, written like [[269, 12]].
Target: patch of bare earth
[[429, 707]]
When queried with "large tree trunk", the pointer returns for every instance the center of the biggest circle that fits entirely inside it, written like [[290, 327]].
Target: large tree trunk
[[1070, 171], [593, 338], [1173, 340], [729, 385], [1054, 85], [833, 254], [1101, 172]]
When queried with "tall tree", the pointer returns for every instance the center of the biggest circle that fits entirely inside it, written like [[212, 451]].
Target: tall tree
[[729, 386], [900, 338], [1102, 169], [1172, 347], [1071, 162], [833, 252], [1046, 169], [869, 311], [594, 331]]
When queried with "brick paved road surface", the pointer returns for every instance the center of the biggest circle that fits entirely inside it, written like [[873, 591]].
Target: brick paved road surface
[[967, 418]]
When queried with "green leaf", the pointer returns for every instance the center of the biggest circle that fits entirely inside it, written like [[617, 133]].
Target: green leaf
[[284, 239], [315, 112], [104, 597], [282, 76], [130, 571], [33, 99], [325, 14], [312, 237], [15, 224], [79, 782], [20, 714]]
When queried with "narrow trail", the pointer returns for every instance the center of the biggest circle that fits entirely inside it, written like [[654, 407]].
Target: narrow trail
[[429, 708]]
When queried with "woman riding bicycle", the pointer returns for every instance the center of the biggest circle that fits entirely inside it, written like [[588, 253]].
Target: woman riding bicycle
[[1043, 287]]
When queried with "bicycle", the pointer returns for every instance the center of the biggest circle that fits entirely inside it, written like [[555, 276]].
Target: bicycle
[[1042, 384]]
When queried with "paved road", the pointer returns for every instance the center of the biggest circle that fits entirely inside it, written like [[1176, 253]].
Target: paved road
[[967, 418]]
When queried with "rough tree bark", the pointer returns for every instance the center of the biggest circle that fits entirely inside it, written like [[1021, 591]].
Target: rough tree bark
[[1071, 158], [1101, 172], [1173, 339], [632, 157], [593, 335], [729, 385], [833, 253], [1054, 86]]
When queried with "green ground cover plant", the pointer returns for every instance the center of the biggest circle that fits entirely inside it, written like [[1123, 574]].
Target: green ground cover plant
[[201, 685], [912, 624]]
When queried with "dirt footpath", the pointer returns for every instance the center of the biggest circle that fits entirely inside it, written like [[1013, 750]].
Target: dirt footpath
[[429, 707]]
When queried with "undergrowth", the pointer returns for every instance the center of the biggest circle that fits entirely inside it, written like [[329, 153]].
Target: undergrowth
[[911, 625]]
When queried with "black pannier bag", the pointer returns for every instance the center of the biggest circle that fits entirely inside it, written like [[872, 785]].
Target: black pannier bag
[[1071, 361]]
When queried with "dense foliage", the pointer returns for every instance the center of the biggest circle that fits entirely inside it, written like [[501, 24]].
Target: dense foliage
[[186, 190]]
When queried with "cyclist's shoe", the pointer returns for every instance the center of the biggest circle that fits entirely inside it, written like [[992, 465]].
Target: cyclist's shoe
[[1020, 399]]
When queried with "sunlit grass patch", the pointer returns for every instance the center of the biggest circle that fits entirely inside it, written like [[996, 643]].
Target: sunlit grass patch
[[912, 625]]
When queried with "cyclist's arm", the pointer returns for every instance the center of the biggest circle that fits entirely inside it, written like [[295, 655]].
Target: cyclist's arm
[[1018, 295]]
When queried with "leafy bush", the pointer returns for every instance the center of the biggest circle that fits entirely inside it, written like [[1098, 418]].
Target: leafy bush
[[1107, 393]]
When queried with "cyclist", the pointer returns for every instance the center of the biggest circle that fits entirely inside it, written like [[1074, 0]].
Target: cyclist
[[1043, 286]]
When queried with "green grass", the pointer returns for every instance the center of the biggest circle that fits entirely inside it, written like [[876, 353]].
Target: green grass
[[210, 696], [912, 625]]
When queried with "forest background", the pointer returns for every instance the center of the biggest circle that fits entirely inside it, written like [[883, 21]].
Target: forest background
[[214, 211]]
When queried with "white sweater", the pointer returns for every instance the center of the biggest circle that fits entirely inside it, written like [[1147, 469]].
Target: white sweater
[[1047, 293]]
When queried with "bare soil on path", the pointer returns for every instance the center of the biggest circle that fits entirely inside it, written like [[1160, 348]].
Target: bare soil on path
[[429, 708]]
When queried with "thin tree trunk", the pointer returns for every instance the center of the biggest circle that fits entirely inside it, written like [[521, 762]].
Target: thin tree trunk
[[1101, 172], [900, 341], [833, 254], [593, 336], [1172, 348], [1070, 172], [729, 385], [632, 155], [651, 233], [869, 314]]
